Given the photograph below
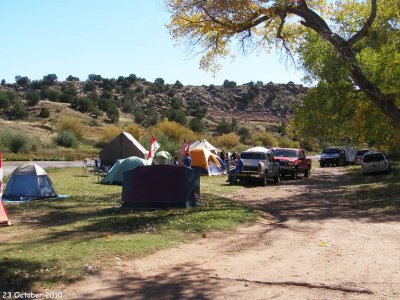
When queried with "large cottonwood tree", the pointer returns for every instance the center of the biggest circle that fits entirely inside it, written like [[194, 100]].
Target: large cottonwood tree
[[214, 25]]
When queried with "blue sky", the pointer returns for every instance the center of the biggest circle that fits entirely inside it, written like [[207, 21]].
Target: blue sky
[[112, 38]]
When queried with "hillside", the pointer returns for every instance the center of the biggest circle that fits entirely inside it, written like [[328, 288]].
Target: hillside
[[98, 102]]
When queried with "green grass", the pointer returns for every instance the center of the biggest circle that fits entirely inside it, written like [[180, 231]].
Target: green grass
[[55, 241], [380, 192]]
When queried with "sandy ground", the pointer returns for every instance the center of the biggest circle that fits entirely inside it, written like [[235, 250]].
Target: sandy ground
[[310, 244]]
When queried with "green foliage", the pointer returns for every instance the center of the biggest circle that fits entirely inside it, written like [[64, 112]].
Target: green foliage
[[3, 82], [225, 126], [18, 111], [244, 134], [112, 113], [50, 79], [66, 139], [15, 142], [229, 84], [196, 125], [72, 78], [178, 84], [44, 113], [7, 98], [32, 99], [22, 81], [175, 115], [94, 77], [89, 86]]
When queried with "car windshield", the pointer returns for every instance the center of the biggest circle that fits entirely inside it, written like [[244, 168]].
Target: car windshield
[[375, 157], [285, 153], [361, 152], [253, 155], [331, 151]]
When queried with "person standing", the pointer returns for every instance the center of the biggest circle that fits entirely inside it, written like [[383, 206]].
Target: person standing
[[222, 156], [187, 162]]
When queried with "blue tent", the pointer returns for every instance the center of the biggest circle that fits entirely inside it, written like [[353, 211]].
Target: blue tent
[[28, 182]]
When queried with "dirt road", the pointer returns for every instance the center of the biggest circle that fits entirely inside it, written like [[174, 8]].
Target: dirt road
[[310, 244]]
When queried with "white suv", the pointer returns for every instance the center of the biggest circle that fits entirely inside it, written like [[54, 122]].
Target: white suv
[[373, 162]]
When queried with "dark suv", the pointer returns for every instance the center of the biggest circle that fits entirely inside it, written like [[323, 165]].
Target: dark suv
[[332, 157]]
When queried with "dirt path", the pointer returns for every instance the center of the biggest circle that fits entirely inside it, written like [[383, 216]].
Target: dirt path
[[310, 244]]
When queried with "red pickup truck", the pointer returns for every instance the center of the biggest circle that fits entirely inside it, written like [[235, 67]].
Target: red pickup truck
[[292, 162]]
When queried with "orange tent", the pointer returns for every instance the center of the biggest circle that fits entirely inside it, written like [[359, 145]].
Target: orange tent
[[205, 162]]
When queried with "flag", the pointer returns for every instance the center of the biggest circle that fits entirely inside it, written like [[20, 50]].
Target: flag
[[185, 147], [154, 145], [4, 219]]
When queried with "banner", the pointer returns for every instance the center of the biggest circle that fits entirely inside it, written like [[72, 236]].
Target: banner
[[154, 145]]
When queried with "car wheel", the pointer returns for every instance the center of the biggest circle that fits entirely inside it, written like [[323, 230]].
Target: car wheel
[[307, 172], [277, 179], [293, 176], [264, 180], [321, 165]]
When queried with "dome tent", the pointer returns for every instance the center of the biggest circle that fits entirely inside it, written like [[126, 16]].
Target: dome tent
[[115, 175], [29, 182]]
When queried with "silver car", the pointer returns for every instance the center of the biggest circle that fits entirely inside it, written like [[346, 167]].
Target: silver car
[[374, 162]]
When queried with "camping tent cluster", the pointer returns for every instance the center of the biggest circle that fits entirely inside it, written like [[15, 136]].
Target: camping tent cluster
[[145, 183]]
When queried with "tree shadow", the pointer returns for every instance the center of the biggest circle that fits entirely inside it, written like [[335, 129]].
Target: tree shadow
[[189, 281]]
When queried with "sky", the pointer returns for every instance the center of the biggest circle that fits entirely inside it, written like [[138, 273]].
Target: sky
[[113, 38]]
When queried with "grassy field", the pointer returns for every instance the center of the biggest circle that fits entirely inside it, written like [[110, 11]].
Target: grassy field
[[61, 240]]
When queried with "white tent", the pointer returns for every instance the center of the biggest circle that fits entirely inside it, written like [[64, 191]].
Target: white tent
[[204, 144], [29, 181]]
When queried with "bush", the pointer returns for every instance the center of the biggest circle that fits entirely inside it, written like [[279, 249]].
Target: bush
[[19, 111], [44, 113], [265, 139], [71, 124], [14, 141], [229, 141], [244, 134], [32, 99], [133, 129], [109, 133], [66, 139], [196, 125]]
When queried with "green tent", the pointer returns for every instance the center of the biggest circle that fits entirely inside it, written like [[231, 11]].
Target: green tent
[[115, 174], [163, 158]]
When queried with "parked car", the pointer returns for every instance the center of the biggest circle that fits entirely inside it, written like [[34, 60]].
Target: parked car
[[292, 161], [259, 162], [359, 156], [374, 162], [332, 157]]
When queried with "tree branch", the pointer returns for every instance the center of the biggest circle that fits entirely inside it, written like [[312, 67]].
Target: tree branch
[[364, 30]]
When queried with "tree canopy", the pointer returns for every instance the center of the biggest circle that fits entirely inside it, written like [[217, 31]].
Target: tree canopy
[[215, 25]]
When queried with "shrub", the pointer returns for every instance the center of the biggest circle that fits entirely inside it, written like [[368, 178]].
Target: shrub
[[229, 141], [19, 111], [90, 86], [133, 129], [113, 113], [196, 125], [66, 139], [14, 141], [109, 133], [265, 139], [173, 131], [244, 134], [44, 113], [71, 124], [32, 99], [285, 142]]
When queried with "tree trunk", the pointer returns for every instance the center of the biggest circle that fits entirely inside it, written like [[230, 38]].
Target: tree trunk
[[386, 103]]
